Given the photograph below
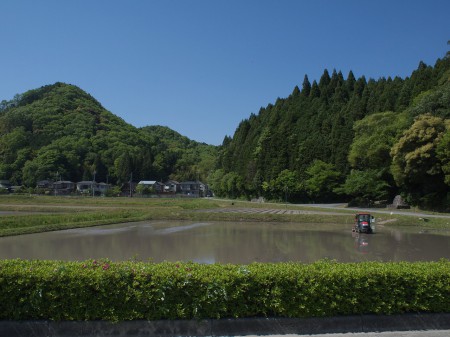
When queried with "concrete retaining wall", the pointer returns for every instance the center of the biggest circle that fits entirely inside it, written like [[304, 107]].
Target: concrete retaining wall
[[227, 327]]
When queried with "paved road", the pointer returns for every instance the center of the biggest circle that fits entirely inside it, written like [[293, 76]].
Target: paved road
[[407, 325], [427, 333]]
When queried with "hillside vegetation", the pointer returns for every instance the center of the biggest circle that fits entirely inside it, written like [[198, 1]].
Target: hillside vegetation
[[346, 138], [61, 132]]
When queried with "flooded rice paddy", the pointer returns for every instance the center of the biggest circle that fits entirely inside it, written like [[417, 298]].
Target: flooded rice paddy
[[225, 242]]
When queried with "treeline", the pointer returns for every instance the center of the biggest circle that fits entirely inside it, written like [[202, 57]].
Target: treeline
[[61, 132], [346, 138]]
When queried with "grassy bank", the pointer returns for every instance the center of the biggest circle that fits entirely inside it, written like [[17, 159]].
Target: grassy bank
[[46, 213]]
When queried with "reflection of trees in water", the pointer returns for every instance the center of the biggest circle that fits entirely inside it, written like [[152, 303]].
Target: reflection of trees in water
[[416, 246], [310, 245], [327, 245]]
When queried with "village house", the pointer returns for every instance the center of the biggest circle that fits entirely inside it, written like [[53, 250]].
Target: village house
[[151, 185], [102, 188], [172, 186], [128, 189], [63, 187], [89, 187], [44, 184], [5, 185], [193, 188], [85, 187]]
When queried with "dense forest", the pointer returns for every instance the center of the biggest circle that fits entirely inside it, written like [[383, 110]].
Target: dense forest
[[346, 139], [61, 132]]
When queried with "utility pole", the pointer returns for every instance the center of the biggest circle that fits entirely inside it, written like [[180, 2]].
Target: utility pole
[[286, 195], [93, 185], [131, 188], [54, 185]]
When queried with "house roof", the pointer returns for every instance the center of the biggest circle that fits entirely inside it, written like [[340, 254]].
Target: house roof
[[148, 182]]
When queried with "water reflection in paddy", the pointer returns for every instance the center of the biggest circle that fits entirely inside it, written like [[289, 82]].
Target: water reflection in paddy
[[226, 242]]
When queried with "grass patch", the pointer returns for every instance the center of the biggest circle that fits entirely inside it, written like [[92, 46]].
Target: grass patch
[[15, 225]]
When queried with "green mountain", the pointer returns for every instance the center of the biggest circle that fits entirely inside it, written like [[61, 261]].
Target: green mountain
[[61, 132], [344, 138]]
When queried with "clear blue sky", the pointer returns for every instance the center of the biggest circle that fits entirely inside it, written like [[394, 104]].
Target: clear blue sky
[[201, 66]]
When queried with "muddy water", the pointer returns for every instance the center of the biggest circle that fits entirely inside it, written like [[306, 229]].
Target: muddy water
[[211, 242]]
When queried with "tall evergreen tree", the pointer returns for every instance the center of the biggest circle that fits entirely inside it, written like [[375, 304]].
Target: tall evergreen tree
[[306, 87], [315, 91]]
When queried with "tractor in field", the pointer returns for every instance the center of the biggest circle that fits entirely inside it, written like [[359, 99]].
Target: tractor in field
[[364, 223]]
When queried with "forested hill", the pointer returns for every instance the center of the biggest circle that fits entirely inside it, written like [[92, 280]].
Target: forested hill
[[61, 132], [343, 138]]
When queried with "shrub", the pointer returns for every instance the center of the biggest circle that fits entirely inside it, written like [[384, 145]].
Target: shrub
[[93, 290]]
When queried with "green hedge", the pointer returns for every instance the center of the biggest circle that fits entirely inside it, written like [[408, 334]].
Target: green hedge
[[93, 290]]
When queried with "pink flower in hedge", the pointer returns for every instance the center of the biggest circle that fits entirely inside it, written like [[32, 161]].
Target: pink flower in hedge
[[106, 266]]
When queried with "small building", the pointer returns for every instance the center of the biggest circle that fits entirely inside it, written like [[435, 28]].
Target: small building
[[5, 185], [89, 187], [102, 188], [44, 187], [128, 189], [172, 186], [85, 187], [193, 188], [151, 185], [44, 184], [63, 187]]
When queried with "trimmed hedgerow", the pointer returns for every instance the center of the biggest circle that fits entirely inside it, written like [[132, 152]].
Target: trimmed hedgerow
[[94, 290]]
